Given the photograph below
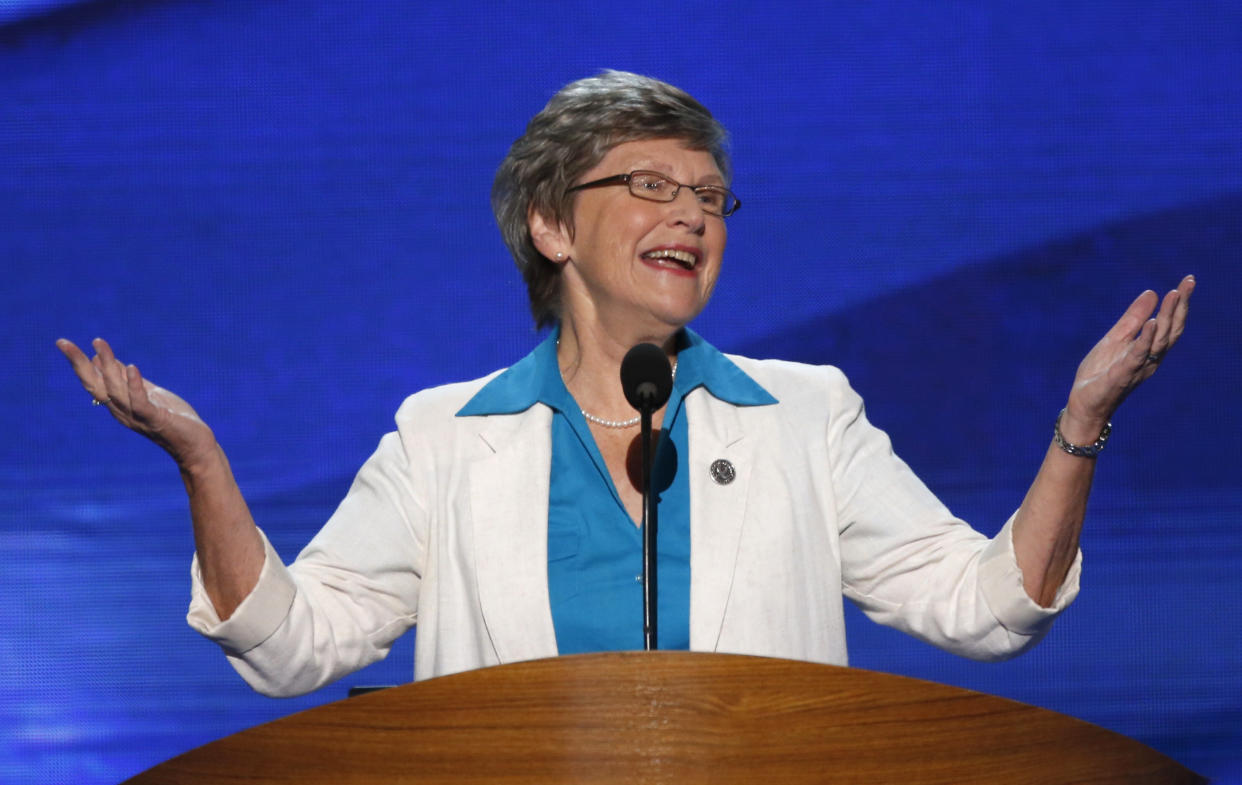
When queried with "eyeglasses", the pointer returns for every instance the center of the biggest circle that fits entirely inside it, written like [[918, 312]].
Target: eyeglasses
[[656, 187]]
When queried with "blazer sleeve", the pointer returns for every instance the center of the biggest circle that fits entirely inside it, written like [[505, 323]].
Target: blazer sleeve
[[909, 563], [349, 595]]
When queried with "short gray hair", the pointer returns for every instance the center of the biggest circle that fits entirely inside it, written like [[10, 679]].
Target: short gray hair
[[573, 133]]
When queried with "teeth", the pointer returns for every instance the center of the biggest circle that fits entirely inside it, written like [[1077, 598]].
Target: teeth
[[685, 258]]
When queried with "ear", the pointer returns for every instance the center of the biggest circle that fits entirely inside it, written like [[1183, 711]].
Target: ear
[[551, 240]]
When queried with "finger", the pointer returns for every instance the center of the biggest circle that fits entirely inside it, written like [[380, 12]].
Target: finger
[[1139, 350], [1143, 353], [139, 402], [1164, 324], [1134, 318], [82, 367], [1185, 289], [112, 371], [70, 350]]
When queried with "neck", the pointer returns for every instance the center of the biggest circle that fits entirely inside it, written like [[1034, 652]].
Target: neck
[[590, 362]]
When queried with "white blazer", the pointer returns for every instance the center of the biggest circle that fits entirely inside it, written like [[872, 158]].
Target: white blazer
[[445, 527]]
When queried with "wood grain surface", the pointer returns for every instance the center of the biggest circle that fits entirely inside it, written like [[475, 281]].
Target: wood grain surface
[[673, 717]]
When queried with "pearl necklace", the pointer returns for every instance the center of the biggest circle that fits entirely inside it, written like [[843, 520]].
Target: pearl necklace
[[619, 423]]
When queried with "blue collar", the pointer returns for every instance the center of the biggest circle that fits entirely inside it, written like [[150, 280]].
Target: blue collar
[[536, 378]]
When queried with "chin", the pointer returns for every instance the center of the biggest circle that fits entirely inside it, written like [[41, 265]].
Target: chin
[[677, 315]]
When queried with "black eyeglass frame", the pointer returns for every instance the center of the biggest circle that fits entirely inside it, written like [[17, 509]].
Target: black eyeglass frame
[[626, 179]]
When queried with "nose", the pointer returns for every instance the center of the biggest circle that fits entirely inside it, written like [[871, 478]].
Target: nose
[[688, 211]]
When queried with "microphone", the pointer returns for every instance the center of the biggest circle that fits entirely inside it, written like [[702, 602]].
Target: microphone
[[646, 377], [647, 381]]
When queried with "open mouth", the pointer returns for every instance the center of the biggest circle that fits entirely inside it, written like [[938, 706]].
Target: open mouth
[[687, 260]]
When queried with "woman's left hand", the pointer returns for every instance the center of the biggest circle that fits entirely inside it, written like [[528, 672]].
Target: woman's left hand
[[1125, 357]]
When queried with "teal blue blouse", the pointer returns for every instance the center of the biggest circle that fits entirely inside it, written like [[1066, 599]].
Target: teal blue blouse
[[594, 548]]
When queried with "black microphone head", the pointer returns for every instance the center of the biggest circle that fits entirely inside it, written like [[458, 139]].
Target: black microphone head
[[646, 377]]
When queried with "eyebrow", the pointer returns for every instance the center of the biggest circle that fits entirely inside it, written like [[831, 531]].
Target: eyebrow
[[654, 166]]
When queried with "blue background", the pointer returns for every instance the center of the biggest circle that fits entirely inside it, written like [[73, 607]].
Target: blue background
[[280, 211]]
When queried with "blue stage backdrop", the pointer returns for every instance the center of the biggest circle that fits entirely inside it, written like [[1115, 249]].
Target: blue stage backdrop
[[280, 211]]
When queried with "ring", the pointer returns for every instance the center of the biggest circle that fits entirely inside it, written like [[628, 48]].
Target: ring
[[97, 402], [1154, 358]]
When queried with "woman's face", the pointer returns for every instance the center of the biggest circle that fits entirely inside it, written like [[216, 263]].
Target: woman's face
[[635, 263]]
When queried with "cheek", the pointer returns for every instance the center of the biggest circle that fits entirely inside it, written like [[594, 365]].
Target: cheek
[[718, 242], [713, 273], [624, 231], [709, 281]]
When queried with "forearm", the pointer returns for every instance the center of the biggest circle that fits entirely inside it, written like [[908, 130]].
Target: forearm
[[1047, 526], [1046, 530], [230, 548]]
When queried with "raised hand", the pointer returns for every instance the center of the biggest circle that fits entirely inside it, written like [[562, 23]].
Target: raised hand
[[1047, 526], [139, 405], [1127, 355], [229, 547]]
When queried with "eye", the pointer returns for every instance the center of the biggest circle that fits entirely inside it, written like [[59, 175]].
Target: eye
[[651, 183], [710, 197]]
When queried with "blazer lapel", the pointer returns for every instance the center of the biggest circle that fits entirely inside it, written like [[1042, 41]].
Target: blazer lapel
[[509, 511], [717, 510]]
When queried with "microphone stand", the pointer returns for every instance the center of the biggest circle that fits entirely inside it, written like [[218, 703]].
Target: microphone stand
[[649, 526], [647, 381]]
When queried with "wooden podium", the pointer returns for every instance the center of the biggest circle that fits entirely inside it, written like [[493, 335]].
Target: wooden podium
[[672, 717]]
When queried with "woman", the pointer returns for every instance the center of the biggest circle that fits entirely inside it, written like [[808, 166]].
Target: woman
[[500, 515]]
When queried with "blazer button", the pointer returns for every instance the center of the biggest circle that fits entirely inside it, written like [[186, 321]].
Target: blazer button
[[722, 471]]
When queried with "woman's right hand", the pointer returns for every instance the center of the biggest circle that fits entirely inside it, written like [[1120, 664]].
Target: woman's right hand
[[141, 406], [229, 547]]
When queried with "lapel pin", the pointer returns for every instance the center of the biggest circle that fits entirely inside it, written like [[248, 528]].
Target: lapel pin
[[722, 471]]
